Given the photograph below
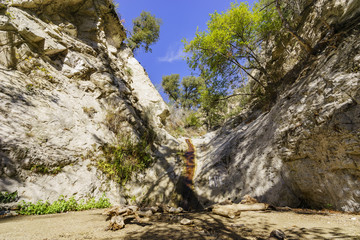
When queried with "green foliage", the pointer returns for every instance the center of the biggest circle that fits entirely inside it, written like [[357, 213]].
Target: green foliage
[[171, 86], [8, 197], [184, 122], [43, 169], [193, 120], [146, 31], [45, 72], [9, 15], [190, 94], [129, 71], [62, 205], [242, 97], [115, 5], [212, 106], [228, 49], [29, 87], [119, 161]]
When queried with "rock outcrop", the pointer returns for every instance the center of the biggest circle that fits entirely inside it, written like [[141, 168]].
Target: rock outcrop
[[305, 150], [68, 85]]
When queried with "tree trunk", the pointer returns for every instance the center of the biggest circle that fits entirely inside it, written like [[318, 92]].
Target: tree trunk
[[286, 24]]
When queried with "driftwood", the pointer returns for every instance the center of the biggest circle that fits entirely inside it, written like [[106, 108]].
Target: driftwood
[[234, 210], [118, 214]]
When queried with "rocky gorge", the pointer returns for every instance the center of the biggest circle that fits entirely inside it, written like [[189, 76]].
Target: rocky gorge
[[304, 150], [69, 85]]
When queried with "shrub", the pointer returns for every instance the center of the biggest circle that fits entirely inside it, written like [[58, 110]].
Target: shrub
[[183, 122], [193, 120], [114, 121], [90, 111], [8, 197], [119, 161], [62, 205], [43, 169]]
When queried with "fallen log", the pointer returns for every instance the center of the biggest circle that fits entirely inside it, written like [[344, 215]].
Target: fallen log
[[119, 214], [234, 210], [116, 223]]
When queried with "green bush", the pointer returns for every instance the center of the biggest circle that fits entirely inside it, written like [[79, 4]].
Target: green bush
[[119, 161], [62, 205], [193, 120], [8, 197]]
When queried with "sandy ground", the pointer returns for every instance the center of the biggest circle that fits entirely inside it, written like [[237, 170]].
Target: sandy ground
[[250, 225]]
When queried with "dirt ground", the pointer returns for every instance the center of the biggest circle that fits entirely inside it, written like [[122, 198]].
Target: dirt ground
[[250, 225]]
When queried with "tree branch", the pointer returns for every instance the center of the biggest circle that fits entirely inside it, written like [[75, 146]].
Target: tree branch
[[233, 60], [286, 24], [236, 94]]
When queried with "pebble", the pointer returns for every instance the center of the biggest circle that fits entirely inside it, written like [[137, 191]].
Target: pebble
[[175, 210], [8, 213], [186, 221], [277, 234], [354, 218]]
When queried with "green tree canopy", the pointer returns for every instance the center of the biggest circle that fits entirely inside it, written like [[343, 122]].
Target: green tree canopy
[[146, 31], [190, 93], [228, 50], [171, 86]]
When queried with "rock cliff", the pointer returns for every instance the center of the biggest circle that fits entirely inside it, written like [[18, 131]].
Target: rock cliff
[[68, 85], [304, 149]]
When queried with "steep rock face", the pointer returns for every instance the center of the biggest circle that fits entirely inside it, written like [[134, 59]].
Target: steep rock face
[[305, 150], [66, 88]]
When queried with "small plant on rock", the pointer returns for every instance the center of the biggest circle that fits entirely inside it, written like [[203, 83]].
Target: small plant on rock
[[129, 71], [120, 160], [8, 197], [90, 111], [44, 169]]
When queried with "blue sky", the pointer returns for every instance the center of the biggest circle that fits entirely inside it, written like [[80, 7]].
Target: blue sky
[[180, 18]]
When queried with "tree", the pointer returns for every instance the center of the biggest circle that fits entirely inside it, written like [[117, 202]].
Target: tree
[[146, 31], [171, 86], [190, 93], [211, 105], [229, 49], [197, 94]]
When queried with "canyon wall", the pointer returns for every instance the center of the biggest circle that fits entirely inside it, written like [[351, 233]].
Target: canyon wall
[[69, 85], [303, 150]]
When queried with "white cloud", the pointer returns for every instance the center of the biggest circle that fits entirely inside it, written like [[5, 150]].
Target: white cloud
[[173, 54]]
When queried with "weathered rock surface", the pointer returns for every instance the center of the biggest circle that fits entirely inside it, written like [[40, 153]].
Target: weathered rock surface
[[304, 151], [69, 84]]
